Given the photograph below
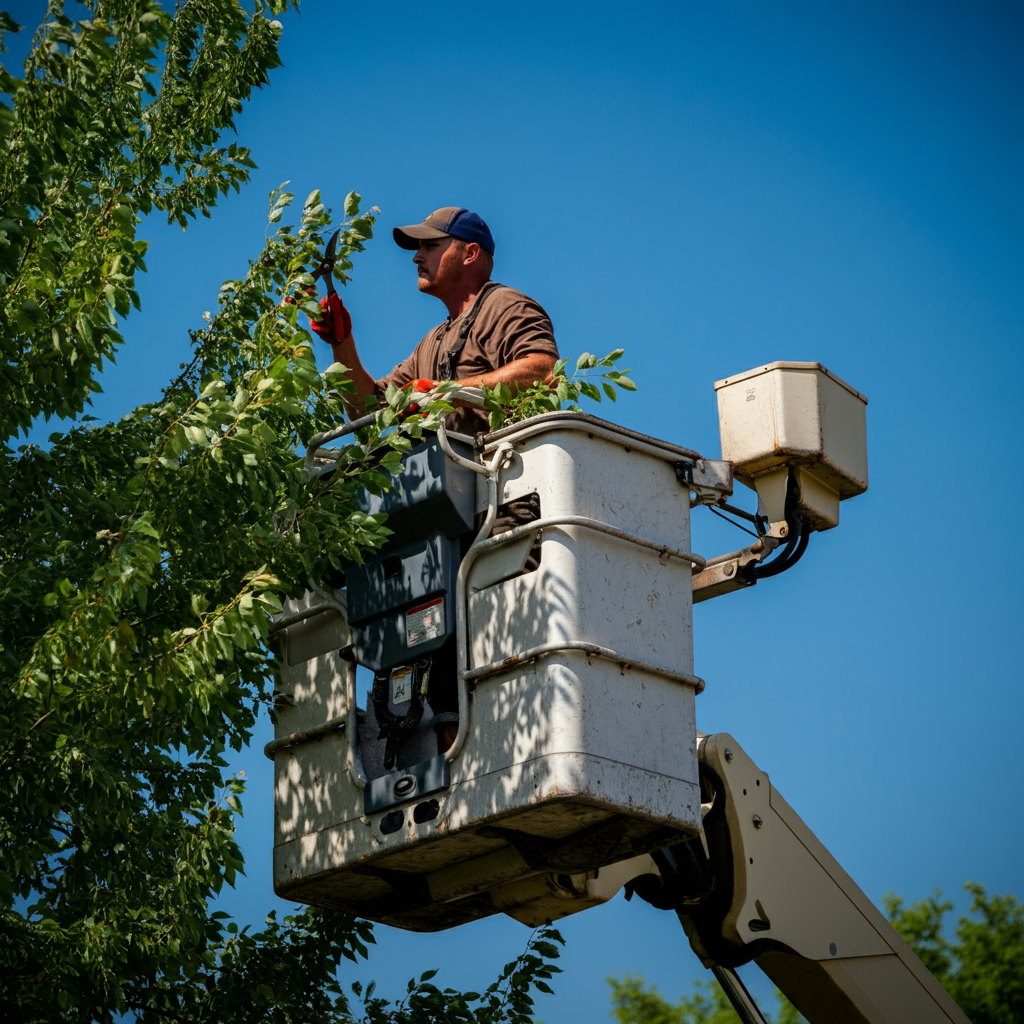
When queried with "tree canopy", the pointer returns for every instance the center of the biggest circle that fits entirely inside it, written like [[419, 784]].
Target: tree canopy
[[140, 560]]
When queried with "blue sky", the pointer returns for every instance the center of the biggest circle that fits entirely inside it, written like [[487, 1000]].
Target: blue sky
[[712, 186]]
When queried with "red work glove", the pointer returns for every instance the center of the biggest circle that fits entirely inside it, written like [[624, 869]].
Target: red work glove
[[412, 409], [420, 385], [337, 322]]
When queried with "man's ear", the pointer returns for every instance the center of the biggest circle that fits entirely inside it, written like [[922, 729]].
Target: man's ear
[[471, 254]]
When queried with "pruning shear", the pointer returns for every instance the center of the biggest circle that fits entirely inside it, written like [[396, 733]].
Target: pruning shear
[[325, 268]]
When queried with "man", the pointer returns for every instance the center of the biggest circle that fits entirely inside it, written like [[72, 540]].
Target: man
[[493, 334]]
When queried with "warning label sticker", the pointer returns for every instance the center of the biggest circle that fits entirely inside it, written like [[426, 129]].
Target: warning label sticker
[[401, 684], [424, 622]]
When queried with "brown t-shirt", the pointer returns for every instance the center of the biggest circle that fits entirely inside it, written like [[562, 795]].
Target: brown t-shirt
[[508, 326]]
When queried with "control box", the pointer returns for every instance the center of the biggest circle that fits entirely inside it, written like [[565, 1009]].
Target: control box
[[801, 417]]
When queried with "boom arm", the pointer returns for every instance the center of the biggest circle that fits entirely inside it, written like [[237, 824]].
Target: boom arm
[[764, 888]]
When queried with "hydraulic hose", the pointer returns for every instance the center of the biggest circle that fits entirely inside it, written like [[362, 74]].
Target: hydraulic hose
[[796, 542], [791, 554]]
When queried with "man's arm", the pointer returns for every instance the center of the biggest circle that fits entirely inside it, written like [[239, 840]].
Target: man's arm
[[518, 373], [334, 321], [522, 372]]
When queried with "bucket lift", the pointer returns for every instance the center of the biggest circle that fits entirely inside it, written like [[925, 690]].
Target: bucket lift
[[529, 745], [515, 679]]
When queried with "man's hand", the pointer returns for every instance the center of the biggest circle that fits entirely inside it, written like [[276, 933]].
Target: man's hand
[[336, 324], [420, 386]]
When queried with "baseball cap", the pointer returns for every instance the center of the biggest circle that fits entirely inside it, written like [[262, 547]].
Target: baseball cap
[[456, 221]]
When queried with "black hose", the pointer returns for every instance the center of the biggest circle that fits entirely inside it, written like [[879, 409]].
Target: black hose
[[759, 571], [785, 561], [796, 543], [800, 549]]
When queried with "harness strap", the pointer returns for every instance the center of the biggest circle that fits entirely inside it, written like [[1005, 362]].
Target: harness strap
[[465, 326]]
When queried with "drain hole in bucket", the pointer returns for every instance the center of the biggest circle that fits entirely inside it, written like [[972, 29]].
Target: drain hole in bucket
[[391, 822], [426, 811]]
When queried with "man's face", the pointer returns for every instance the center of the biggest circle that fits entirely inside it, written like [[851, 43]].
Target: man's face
[[440, 265]]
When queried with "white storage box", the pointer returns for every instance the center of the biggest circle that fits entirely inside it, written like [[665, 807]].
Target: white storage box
[[580, 750], [796, 415]]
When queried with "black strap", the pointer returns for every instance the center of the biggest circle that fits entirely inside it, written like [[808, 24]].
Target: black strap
[[447, 368]]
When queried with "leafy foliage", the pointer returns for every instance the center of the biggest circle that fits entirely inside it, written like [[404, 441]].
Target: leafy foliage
[[507, 999], [983, 970], [634, 1001], [140, 560], [117, 115], [505, 406]]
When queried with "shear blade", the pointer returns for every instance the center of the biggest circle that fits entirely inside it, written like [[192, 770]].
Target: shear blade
[[326, 265]]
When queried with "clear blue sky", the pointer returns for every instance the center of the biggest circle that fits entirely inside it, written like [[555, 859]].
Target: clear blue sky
[[713, 186]]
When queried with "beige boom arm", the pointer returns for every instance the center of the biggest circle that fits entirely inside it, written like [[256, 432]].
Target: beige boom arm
[[807, 924]]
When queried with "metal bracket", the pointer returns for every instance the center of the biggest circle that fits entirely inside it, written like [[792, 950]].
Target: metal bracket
[[724, 574], [709, 480]]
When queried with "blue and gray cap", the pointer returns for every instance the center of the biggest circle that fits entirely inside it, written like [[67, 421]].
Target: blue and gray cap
[[449, 221]]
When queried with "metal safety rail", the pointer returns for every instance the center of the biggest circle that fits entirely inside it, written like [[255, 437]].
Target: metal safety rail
[[592, 425], [469, 396], [331, 435], [591, 650]]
